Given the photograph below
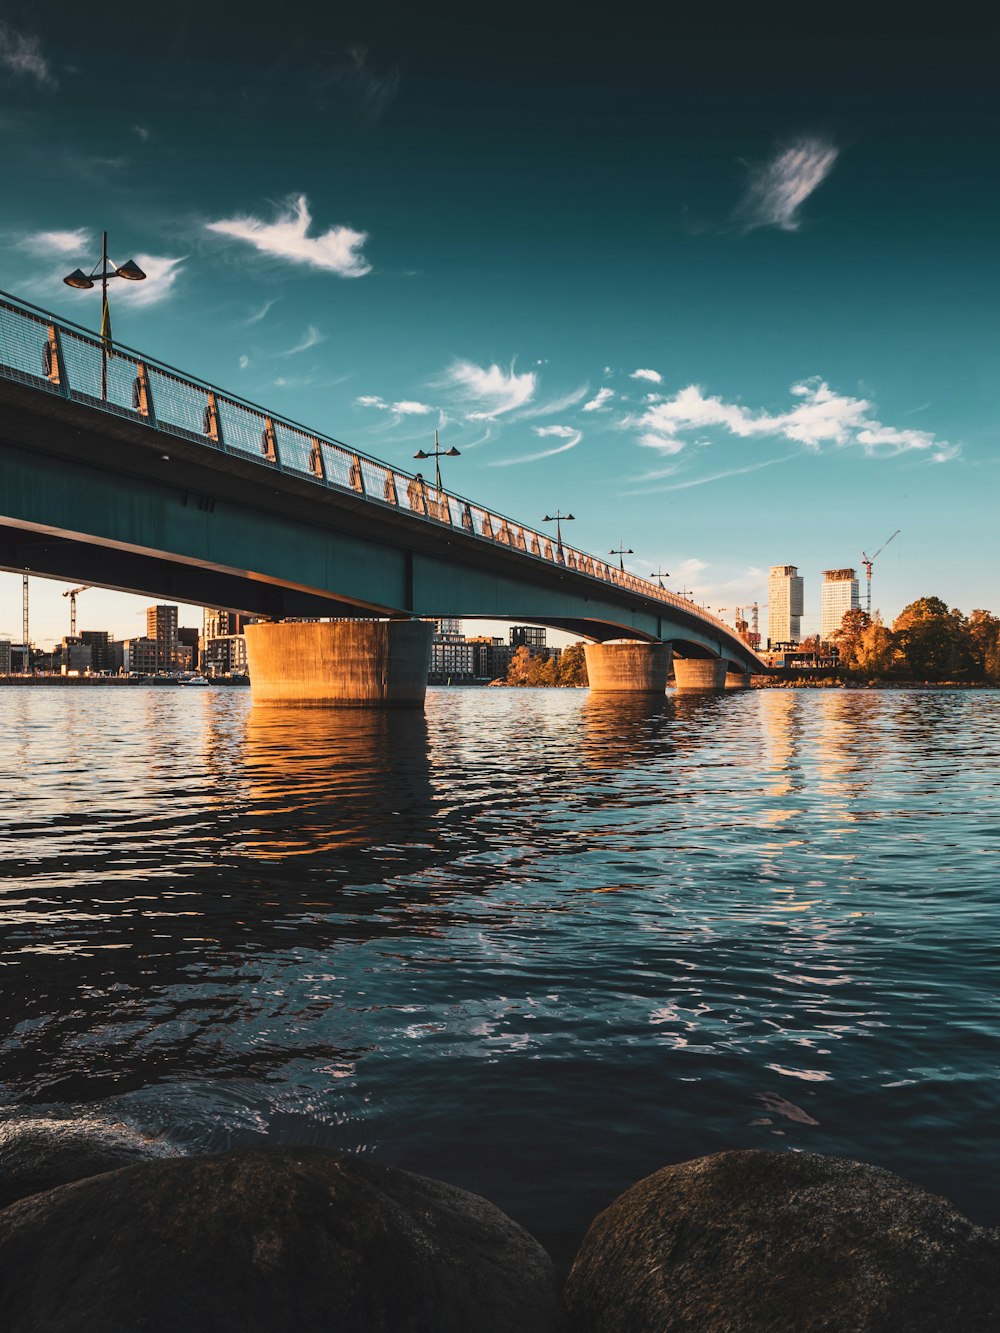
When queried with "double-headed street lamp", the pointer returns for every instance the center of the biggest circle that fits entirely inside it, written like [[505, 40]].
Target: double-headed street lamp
[[438, 453], [558, 519], [130, 271], [621, 552], [660, 575]]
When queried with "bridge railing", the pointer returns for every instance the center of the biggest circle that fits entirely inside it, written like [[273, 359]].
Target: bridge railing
[[61, 358]]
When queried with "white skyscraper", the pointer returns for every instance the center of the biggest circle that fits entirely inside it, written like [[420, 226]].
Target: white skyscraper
[[784, 604], [839, 595]]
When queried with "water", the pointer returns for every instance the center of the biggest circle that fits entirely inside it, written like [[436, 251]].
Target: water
[[530, 943]]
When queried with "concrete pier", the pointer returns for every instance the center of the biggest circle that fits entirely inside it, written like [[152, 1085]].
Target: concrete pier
[[737, 680], [346, 664], [700, 673], [628, 667]]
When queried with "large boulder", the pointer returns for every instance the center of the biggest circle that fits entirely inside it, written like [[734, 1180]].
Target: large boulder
[[295, 1239], [743, 1242], [40, 1154]]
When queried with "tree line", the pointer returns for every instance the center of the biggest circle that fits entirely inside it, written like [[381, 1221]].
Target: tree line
[[927, 641], [569, 668]]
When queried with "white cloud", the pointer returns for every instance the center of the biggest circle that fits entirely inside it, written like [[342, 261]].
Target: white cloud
[[141, 131], [820, 417], [161, 273], [602, 397], [310, 338], [556, 404], [567, 433], [336, 251], [491, 390], [257, 315], [653, 376], [23, 55], [244, 362], [62, 242], [406, 407], [777, 189]]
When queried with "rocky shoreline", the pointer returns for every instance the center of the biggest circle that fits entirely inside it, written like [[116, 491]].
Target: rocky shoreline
[[104, 1231]]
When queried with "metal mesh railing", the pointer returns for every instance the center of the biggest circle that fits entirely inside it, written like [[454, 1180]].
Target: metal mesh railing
[[60, 358]]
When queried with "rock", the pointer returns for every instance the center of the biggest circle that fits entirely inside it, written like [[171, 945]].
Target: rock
[[295, 1239], [39, 1154], [743, 1242]]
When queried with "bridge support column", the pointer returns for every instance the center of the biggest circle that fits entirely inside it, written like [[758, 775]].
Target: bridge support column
[[737, 680], [628, 668], [700, 673], [346, 664]]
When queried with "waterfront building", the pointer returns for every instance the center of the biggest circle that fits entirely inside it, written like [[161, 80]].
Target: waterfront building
[[187, 646], [449, 626], [75, 656], [785, 602], [491, 658], [20, 659], [5, 657], [531, 637], [219, 624], [224, 656], [452, 660], [141, 656], [161, 627], [839, 594], [99, 642]]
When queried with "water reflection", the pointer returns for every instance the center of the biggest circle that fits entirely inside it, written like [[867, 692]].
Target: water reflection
[[319, 780], [619, 731]]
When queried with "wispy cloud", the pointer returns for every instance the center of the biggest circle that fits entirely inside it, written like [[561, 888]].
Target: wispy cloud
[[371, 92], [489, 391], [244, 361], [553, 405], [141, 131], [257, 315], [567, 433], [777, 189], [599, 400], [161, 272], [715, 476], [337, 250], [310, 338], [21, 53], [653, 376], [820, 417], [404, 407], [62, 242]]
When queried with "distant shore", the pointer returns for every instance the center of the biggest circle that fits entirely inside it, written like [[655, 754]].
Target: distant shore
[[117, 681]]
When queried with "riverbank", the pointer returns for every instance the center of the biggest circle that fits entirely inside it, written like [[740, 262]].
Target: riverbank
[[118, 682]]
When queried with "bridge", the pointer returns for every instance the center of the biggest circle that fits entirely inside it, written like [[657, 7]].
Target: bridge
[[120, 471]]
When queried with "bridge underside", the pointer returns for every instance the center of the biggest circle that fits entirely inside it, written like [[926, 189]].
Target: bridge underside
[[111, 502]]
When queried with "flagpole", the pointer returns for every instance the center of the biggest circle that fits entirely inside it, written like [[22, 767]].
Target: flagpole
[[104, 317]]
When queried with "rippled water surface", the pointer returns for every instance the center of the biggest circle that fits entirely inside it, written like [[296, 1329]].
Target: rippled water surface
[[531, 943]]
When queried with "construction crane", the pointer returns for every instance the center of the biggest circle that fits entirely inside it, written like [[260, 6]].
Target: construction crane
[[868, 560], [755, 611], [24, 616], [72, 595]]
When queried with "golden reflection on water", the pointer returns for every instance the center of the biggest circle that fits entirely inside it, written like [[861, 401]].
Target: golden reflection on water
[[318, 779], [617, 728]]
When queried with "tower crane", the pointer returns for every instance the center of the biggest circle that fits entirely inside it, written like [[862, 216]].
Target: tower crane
[[72, 595], [868, 560]]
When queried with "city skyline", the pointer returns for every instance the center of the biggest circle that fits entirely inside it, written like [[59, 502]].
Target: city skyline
[[727, 300]]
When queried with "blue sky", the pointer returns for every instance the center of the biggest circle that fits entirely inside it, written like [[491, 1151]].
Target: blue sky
[[726, 291]]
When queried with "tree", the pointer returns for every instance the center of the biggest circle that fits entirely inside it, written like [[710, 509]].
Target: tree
[[874, 649], [519, 671], [933, 640], [852, 627], [572, 666], [983, 632]]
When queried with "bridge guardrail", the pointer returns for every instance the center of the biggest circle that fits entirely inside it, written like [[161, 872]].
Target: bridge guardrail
[[46, 352]]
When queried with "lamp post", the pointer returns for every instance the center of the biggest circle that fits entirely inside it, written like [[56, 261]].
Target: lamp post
[[660, 575], [621, 552], [438, 453], [558, 519], [130, 271]]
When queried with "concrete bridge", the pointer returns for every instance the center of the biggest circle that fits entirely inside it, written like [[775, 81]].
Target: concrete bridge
[[119, 471]]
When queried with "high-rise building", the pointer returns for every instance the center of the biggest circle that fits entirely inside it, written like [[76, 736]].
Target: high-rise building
[[531, 636], [839, 595], [220, 624], [450, 626], [99, 641], [161, 625], [784, 604]]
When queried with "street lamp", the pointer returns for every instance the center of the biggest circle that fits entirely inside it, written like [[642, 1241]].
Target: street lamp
[[660, 575], [130, 271], [558, 519], [438, 453], [621, 552]]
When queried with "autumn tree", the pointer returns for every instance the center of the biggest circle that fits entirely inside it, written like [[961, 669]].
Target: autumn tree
[[572, 666], [932, 639], [874, 649], [983, 634], [853, 625]]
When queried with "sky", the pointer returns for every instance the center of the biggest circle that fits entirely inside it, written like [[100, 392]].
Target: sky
[[723, 286]]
